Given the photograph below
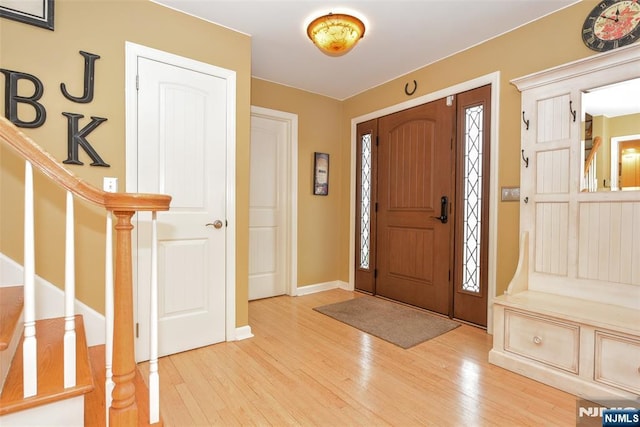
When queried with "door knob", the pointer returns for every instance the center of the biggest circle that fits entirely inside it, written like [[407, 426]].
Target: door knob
[[216, 224]]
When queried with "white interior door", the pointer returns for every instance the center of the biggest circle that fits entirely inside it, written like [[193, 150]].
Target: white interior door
[[267, 208], [181, 143]]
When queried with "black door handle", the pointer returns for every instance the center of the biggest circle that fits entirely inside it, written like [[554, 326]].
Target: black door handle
[[444, 209]]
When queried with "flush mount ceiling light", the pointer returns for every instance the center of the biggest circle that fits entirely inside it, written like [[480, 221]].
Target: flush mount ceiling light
[[335, 34]]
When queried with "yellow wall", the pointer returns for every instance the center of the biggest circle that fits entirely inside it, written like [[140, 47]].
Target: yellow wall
[[324, 124], [319, 237], [607, 128], [102, 27], [550, 41], [625, 125]]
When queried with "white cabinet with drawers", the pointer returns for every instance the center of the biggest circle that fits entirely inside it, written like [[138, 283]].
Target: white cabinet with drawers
[[617, 362], [542, 339], [586, 348]]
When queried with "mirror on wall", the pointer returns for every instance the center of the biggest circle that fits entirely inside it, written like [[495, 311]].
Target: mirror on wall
[[611, 137]]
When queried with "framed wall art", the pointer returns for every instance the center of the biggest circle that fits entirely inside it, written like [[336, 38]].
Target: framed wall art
[[321, 174], [34, 12]]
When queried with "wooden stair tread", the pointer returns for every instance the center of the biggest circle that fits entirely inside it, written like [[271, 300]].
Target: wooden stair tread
[[94, 404], [50, 347], [11, 302]]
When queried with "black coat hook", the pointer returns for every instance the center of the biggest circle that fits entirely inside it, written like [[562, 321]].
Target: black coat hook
[[526, 122], [573, 112], [525, 159], [406, 88]]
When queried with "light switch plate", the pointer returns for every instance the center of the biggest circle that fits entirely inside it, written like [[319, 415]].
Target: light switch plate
[[110, 184], [510, 194]]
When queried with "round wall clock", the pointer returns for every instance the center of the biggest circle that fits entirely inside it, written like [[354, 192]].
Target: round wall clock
[[612, 24]]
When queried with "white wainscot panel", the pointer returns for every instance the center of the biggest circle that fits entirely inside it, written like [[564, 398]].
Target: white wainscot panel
[[609, 242], [554, 119], [552, 227], [552, 172]]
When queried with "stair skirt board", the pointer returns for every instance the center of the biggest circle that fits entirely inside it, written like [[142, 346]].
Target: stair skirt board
[[64, 413], [10, 271], [50, 301]]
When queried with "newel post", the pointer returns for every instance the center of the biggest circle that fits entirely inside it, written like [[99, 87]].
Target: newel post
[[123, 411]]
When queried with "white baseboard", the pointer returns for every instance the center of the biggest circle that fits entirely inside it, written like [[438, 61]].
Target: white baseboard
[[319, 287], [50, 301], [243, 333], [571, 383]]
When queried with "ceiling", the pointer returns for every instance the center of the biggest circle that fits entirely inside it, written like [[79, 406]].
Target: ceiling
[[614, 100], [401, 36]]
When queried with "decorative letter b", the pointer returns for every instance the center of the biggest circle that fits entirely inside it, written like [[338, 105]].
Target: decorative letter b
[[12, 99]]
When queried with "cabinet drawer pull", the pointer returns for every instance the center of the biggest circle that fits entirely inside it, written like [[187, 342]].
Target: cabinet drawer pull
[[537, 340]]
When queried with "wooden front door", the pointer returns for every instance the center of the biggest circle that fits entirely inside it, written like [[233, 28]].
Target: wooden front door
[[415, 185], [422, 206]]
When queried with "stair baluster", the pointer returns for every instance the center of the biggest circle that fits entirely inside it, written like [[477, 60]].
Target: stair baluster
[[108, 309], [154, 379], [590, 175], [30, 371], [69, 298]]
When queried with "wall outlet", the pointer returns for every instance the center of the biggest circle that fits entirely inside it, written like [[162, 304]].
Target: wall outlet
[[510, 194], [110, 184]]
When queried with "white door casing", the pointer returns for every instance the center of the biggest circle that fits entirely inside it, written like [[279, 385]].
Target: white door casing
[[273, 204], [181, 142]]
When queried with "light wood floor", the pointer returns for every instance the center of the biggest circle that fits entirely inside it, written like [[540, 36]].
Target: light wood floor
[[304, 368]]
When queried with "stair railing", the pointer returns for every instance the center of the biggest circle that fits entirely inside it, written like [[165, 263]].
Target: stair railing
[[120, 358], [590, 179]]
